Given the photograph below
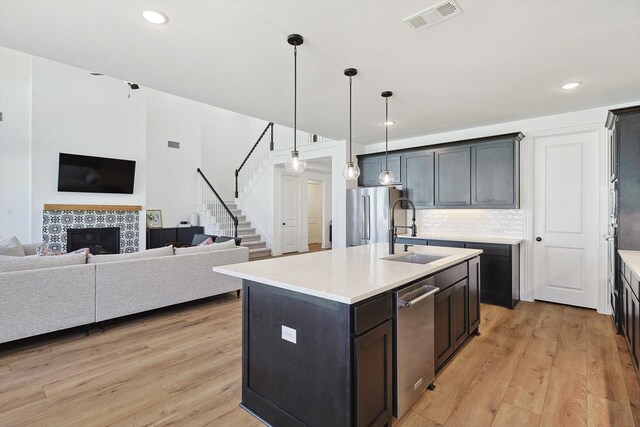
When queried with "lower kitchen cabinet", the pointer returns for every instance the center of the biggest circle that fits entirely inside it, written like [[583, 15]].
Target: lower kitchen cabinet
[[630, 312], [500, 272], [456, 311], [373, 354]]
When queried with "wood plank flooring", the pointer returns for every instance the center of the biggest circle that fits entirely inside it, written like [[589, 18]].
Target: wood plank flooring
[[538, 365]]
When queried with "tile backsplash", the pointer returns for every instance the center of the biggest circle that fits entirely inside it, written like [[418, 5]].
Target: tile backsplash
[[470, 222]]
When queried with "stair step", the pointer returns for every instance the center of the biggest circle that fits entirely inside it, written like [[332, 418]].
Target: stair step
[[244, 224], [236, 212], [254, 245], [246, 231], [250, 238], [259, 253]]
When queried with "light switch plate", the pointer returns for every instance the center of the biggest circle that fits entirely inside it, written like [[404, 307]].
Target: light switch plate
[[289, 334]]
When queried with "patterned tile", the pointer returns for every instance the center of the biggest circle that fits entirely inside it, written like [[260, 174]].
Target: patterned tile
[[56, 223]]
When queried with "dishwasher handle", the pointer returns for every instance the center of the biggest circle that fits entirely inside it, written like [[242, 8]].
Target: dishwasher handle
[[407, 304]]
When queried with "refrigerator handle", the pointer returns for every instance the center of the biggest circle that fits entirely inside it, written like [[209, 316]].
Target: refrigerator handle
[[366, 218]]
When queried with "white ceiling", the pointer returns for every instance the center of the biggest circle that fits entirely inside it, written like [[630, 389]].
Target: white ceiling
[[500, 60]]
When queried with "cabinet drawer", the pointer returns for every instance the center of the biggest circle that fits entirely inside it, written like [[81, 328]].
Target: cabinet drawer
[[446, 243], [448, 277], [406, 241], [371, 313], [634, 284], [491, 249]]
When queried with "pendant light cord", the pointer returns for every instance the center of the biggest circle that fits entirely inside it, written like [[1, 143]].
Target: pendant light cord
[[386, 134], [350, 143], [295, 96]]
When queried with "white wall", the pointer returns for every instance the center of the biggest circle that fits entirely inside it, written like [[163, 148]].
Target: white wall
[[172, 181], [15, 145], [74, 112]]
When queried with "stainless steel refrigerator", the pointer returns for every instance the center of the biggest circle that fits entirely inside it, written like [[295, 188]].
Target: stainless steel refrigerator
[[368, 214]]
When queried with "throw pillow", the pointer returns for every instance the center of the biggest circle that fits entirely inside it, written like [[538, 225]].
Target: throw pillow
[[220, 239], [209, 241], [150, 253], [208, 248], [11, 247], [199, 238], [44, 250]]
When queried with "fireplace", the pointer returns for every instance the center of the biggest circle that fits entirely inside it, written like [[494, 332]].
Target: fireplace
[[99, 240]]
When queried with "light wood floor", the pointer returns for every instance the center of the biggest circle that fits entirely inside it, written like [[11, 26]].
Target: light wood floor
[[540, 364]]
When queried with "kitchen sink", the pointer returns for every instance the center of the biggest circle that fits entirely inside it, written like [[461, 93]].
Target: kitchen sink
[[416, 258]]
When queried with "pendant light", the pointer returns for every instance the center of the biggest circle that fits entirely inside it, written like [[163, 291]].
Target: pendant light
[[296, 163], [386, 176], [351, 169]]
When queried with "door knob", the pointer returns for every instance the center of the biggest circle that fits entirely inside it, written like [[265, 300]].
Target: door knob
[[538, 239], [284, 223]]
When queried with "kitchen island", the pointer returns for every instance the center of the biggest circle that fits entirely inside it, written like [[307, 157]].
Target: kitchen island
[[318, 336]]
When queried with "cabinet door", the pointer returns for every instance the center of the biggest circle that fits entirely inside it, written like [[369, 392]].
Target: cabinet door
[[419, 174], [493, 174], [369, 171], [395, 166], [460, 292], [453, 176], [635, 326], [474, 294], [443, 326], [373, 367], [623, 307]]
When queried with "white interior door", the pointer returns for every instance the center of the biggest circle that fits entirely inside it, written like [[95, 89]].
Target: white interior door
[[314, 211], [566, 219], [289, 213]]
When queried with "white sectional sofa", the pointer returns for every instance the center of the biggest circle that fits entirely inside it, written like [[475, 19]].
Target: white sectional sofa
[[37, 300]]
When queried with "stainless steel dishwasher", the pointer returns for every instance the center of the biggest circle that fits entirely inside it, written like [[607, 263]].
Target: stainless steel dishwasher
[[414, 352]]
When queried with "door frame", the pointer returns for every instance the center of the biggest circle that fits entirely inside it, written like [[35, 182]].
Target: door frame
[[527, 203]]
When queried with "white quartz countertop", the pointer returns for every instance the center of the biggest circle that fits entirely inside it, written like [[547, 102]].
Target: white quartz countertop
[[346, 275], [632, 259], [476, 239]]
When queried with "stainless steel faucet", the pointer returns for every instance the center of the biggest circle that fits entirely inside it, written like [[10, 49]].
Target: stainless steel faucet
[[393, 228]]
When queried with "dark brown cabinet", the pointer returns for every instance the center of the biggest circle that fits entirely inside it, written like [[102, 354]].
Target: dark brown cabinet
[[494, 174], [478, 173], [373, 354], [443, 326], [453, 177], [159, 237], [474, 293], [460, 296], [371, 166], [419, 177], [630, 312], [456, 309]]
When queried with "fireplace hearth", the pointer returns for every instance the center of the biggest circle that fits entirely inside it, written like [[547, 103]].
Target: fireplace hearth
[[100, 241]]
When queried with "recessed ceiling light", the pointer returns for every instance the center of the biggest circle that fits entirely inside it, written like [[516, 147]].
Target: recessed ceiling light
[[571, 85], [154, 17], [389, 123]]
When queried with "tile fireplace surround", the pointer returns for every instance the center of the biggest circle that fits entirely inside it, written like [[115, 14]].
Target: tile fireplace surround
[[56, 219]]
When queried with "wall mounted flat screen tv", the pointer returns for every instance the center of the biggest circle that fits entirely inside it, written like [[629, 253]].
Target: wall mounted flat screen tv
[[86, 174]]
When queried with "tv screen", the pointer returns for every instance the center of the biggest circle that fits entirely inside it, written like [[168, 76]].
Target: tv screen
[[88, 174]]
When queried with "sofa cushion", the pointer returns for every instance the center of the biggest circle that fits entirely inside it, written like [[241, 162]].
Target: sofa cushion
[[208, 248], [220, 239], [33, 262], [150, 253], [30, 248], [199, 238], [11, 247]]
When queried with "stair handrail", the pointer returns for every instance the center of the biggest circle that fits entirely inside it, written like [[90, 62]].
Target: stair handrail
[[224, 205], [271, 147]]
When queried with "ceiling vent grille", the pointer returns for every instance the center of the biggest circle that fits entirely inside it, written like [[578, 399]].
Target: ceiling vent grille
[[433, 15]]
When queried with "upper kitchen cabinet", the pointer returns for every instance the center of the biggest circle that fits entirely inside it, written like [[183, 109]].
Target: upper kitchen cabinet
[[371, 166], [453, 177], [494, 174], [419, 178], [477, 173]]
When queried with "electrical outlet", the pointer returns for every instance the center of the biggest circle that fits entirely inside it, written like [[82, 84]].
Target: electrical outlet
[[173, 144], [289, 334]]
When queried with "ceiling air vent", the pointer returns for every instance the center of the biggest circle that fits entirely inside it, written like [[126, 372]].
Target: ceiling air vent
[[433, 15]]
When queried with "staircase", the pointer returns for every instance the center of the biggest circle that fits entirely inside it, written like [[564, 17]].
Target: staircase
[[251, 240]]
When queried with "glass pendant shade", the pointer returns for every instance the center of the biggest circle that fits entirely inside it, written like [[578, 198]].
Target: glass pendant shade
[[296, 163], [351, 171], [386, 177]]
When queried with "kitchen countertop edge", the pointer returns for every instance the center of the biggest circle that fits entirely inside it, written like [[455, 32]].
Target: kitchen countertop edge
[[632, 259]]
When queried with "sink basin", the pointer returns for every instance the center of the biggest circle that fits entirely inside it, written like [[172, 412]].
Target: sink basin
[[416, 258]]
